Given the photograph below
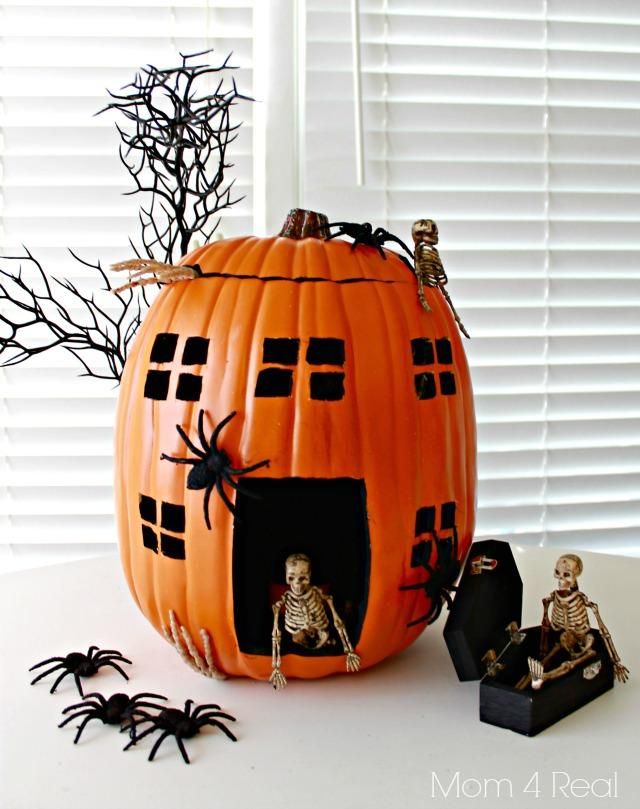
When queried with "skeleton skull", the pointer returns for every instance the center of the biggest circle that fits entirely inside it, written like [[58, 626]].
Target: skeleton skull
[[567, 570], [298, 573], [426, 231]]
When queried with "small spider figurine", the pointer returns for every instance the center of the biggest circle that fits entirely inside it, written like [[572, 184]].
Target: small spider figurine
[[118, 709], [441, 579], [212, 466], [365, 234], [182, 725], [81, 665]]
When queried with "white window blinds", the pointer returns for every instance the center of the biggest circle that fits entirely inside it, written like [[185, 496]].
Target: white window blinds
[[62, 186], [515, 125]]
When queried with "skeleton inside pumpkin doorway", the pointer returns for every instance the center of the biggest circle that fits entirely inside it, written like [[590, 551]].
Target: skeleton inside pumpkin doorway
[[305, 618], [569, 617]]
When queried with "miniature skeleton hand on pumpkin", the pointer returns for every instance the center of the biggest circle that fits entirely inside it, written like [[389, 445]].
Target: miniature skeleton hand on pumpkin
[[305, 618]]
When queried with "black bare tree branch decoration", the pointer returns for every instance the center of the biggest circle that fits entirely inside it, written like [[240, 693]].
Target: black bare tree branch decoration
[[176, 154], [53, 313], [176, 151]]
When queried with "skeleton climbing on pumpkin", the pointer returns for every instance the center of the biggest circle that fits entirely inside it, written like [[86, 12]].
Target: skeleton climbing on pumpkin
[[569, 617], [428, 265], [306, 618]]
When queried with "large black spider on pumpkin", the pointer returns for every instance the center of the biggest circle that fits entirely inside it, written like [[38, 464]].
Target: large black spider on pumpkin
[[212, 467], [364, 233], [442, 574], [181, 724], [118, 709]]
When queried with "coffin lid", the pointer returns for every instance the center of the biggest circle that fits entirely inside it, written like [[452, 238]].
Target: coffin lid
[[485, 604]]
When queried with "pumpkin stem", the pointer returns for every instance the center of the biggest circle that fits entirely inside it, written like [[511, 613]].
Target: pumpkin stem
[[302, 224]]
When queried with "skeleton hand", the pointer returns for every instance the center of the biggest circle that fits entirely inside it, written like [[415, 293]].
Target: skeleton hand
[[620, 672], [277, 679], [353, 662]]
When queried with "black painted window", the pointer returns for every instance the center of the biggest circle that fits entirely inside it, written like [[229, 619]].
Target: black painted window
[[188, 386], [325, 351], [280, 350], [276, 381], [172, 518], [423, 353]]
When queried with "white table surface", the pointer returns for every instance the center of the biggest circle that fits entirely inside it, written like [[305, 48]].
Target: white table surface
[[379, 738]]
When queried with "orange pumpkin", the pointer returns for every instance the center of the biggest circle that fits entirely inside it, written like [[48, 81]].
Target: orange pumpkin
[[361, 402]]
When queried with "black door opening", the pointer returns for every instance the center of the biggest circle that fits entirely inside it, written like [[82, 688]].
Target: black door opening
[[324, 519]]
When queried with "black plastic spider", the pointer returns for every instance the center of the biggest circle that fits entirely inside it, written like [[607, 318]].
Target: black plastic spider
[[181, 725], [81, 665], [118, 709], [212, 466], [441, 579], [365, 234]]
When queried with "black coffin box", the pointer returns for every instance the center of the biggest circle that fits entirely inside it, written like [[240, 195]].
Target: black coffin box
[[488, 601]]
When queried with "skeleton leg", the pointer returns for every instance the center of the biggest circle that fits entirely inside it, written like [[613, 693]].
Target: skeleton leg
[[620, 672], [277, 679], [421, 295], [525, 681], [353, 660], [536, 668]]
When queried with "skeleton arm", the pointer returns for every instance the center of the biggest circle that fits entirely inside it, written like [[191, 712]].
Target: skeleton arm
[[545, 625], [621, 672], [277, 679], [353, 660]]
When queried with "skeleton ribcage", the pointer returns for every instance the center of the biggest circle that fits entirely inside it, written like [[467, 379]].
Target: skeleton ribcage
[[429, 267], [569, 612], [304, 612]]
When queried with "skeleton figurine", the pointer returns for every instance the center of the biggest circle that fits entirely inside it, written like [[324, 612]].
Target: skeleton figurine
[[429, 269], [305, 618], [569, 617]]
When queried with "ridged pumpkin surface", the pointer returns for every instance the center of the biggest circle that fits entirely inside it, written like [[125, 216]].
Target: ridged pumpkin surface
[[410, 452]]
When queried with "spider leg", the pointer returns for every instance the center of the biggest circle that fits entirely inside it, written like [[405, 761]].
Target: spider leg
[[206, 707], [418, 586], [192, 461], [48, 660], [207, 497], [203, 438], [83, 725], [445, 595], [157, 744], [44, 673], [147, 694], [112, 655], [182, 750], [135, 739], [108, 652], [85, 704], [188, 705], [224, 497], [382, 235], [220, 726], [201, 453], [436, 609], [246, 469], [89, 711], [214, 435], [76, 677], [97, 695], [114, 666], [420, 620], [91, 650], [59, 680]]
